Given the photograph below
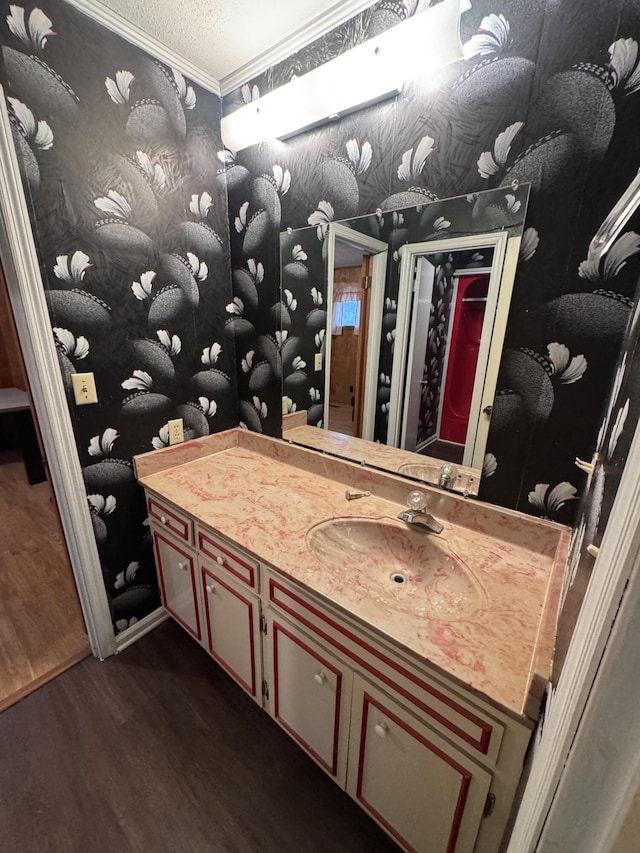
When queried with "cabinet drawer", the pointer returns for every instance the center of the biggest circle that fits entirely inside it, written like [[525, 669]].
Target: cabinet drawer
[[464, 723], [233, 628], [177, 576], [429, 796], [309, 695], [225, 556], [170, 519]]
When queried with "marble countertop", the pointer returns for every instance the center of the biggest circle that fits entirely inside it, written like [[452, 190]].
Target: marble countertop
[[265, 494]]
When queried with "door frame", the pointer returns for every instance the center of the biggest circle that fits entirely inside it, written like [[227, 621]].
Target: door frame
[[505, 255], [27, 297], [595, 696], [379, 251], [411, 349]]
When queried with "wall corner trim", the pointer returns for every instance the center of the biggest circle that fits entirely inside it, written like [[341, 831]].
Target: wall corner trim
[[138, 37], [324, 23]]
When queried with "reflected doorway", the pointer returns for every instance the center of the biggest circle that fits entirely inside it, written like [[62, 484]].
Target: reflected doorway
[[447, 318], [349, 332]]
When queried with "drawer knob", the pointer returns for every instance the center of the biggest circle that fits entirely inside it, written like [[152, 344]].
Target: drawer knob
[[210, 588], [220, 561], [183, 566], [320, 677], [381, 729], [163, 519]]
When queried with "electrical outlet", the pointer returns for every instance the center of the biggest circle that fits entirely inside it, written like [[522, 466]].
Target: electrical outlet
[[176, 433], [84, 388], [318, 362], [285, 408]]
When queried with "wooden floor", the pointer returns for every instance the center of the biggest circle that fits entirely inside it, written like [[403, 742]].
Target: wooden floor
[[41, 626], [155, 750], [340, 418]]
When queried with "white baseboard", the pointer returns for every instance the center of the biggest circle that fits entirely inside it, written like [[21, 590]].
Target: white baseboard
[[133, 634]]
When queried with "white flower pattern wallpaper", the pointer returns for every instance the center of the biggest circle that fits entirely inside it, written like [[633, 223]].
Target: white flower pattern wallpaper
[[118, 158], [160, 254]]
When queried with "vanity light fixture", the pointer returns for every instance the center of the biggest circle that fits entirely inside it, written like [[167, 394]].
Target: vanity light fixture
[[365, 75]]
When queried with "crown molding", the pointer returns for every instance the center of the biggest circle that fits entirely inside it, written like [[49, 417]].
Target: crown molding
[[319, 26], [138, 37]]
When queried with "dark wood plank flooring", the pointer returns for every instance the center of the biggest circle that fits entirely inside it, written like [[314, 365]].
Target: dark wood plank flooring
[[155, 750]]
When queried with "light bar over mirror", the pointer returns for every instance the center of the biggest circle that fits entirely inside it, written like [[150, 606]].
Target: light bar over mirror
[[367, 74]]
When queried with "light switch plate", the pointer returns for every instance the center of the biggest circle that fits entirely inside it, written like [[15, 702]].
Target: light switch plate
[[84, 388], [176, 431], [318, 362], [285, 407]]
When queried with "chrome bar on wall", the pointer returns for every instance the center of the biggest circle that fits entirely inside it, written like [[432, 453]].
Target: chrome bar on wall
[[615, 221]]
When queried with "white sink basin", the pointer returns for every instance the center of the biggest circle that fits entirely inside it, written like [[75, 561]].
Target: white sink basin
[[408, 570]]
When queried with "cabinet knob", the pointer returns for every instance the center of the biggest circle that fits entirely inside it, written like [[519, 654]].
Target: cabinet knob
[[320, 677], [220, 561], [183, 566], [210, 588], [381, 729], [163, 519]]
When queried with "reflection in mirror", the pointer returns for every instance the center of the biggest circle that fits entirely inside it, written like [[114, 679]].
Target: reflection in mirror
[[448, 345], [406, 383]]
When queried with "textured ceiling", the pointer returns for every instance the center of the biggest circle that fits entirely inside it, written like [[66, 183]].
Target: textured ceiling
[[221, 36]]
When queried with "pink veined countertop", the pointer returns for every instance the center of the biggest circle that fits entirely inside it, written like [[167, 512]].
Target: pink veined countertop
[[264, 495]]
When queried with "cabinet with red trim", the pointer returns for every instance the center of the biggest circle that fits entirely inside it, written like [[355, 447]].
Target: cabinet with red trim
[[309, 694], [434, 764], [427, 794], [176, 566], [436, 767], [232, 617]]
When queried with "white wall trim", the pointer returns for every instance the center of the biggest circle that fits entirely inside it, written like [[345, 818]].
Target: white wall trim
[[140, 38], [139, 629], [324, 23], [379, 250], [613, 568], [26, 293], [376, 313]]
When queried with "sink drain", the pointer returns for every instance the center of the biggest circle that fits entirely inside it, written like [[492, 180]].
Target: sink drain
[[398, 577]]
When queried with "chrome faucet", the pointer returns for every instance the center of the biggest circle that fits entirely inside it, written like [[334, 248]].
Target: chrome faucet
[[416, 515]]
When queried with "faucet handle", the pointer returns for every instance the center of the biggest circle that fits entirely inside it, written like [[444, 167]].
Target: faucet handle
[[417, 500]]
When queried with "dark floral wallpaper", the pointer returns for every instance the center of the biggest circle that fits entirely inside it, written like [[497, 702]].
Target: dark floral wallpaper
[[118, 158], [548, 93], [619, 422]]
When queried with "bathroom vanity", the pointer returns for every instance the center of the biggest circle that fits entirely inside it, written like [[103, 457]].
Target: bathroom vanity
[[410, 666]]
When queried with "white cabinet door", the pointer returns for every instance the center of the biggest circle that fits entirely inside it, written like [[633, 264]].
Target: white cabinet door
[[233, 628], [309, 694], [177, 576], [427, 795]]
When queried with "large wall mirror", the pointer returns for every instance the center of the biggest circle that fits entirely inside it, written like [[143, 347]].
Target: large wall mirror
[[392, 332]]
